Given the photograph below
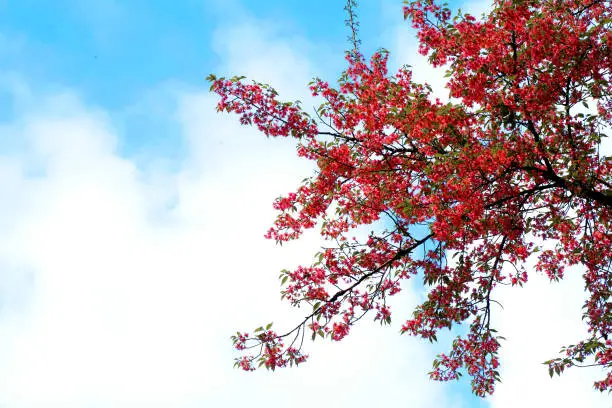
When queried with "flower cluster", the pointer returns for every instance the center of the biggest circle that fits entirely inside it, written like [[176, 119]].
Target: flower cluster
[[512, 160]]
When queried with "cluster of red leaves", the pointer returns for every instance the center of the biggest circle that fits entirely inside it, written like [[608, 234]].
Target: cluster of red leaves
[[272, 354], [512, 160]]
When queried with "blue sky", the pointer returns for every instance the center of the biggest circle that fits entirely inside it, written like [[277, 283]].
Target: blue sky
[[127, 198]]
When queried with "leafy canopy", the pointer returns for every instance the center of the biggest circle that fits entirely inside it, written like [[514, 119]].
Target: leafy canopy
[[510, 166]]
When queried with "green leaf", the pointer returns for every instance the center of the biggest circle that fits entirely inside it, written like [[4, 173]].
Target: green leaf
[[268, 326]]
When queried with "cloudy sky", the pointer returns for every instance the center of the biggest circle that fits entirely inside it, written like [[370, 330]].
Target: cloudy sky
[[132, 217]]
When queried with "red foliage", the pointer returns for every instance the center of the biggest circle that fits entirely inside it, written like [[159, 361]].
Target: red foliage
[[510, 163]]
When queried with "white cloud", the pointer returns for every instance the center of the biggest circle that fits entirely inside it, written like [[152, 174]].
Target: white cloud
[[537, 321]]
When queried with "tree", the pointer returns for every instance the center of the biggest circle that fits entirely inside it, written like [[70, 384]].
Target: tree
[[509, 169]]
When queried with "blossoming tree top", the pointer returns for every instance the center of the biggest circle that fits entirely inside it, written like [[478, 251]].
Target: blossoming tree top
[[510, 166]]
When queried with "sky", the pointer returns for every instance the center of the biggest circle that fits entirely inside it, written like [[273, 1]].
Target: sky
[[132, 217]]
